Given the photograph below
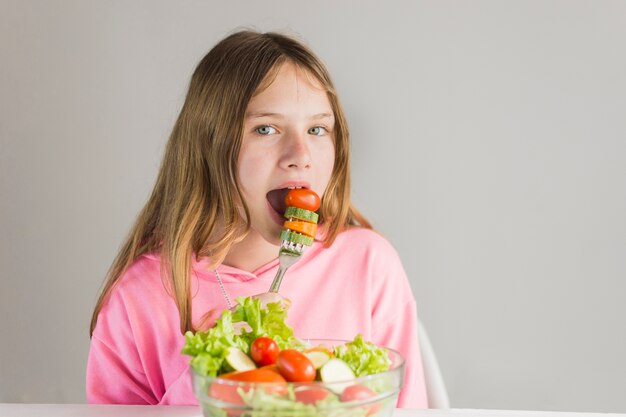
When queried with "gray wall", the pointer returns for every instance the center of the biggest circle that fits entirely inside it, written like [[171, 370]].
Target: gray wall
[[489, 146]]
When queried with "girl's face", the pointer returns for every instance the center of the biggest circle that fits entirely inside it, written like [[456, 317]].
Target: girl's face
[[287, 142]]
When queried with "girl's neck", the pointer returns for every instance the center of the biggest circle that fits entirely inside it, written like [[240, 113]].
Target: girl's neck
[[251, 253]]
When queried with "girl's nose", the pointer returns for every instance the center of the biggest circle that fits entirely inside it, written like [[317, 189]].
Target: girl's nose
[[296, 154]]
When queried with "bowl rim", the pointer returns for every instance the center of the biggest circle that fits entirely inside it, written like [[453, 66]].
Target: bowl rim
[[394, 368]]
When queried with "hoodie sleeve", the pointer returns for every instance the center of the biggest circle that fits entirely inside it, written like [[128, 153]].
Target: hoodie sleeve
[[395, 322], [111, 380], [114, 371], [401, 334]]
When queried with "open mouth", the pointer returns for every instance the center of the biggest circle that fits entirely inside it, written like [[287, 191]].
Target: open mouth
[[276, 198]]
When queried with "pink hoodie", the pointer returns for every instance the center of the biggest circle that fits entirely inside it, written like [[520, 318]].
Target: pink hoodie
[[357, 285]]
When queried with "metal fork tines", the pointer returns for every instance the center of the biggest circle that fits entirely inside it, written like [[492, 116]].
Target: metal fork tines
[[289, 253]]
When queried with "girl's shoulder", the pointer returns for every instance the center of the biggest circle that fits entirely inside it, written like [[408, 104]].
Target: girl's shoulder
[[359, 241], [138, 289], [143, 271], [363, 254], [363, 238]]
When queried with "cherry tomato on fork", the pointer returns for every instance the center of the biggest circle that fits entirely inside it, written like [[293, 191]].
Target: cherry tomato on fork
[[303, 198], [264, 351], [294, 366]]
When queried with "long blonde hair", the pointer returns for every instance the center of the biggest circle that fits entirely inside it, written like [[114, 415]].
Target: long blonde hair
[[193, 208]]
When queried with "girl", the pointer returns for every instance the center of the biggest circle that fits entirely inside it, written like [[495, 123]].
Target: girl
[[261, 115]]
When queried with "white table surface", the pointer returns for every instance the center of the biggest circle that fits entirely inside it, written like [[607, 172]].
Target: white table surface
[[89, 410]]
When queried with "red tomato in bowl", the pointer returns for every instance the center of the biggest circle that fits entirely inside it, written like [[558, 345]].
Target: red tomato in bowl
[[223, 390], [311, 395], [264, 351], [264, 374], [303, 198], [295, 366], [360, 393]]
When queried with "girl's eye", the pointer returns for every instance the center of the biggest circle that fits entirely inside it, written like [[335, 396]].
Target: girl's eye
[[318, 131], [265, 130]]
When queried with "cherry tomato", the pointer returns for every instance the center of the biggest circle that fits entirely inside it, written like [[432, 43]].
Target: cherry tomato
[[357, 393], [303, 198], [264, 351], [295, 366], [311, 395]]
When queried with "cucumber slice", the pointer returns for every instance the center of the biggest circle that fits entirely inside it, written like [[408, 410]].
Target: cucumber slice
[[335, 371], [318, 358], [239, 361], [301, 214], [296, 237]]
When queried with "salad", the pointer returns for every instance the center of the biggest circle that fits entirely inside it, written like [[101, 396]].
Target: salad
[[255, 345]]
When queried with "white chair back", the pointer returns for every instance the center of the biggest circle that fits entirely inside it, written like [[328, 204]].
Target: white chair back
[[435, 386]]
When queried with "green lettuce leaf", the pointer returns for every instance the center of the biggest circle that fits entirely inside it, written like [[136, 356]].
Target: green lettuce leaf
[[365, 358], [238, 328], [268, 321], [209, 349]]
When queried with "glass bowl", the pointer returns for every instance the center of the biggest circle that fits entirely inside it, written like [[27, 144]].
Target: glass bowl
[[220, 397]]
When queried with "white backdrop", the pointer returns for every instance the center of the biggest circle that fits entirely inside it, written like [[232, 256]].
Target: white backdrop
[[489, 145]]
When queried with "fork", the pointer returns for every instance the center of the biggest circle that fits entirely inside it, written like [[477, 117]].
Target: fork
[[288, 254]]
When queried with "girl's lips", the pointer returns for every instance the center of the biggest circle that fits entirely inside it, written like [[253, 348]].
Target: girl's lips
[[294, 184]]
